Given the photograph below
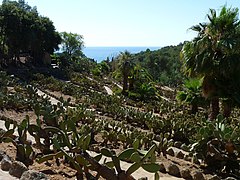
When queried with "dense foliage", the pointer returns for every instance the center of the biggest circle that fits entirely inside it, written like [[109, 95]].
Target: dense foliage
[[163, 65], [24, 31], [214, 56]]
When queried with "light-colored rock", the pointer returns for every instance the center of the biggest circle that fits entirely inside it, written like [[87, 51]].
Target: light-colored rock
[[17, 169], [143, 178], [33, 175], [187, 157], [2, 154]]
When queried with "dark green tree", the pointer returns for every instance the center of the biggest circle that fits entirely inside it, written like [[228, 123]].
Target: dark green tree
[[23, 30], [214, 54]]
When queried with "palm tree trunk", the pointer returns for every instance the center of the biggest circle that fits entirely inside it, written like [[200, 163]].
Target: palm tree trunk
[[227, 108], [194, 108], [125, 83], [214, 106]]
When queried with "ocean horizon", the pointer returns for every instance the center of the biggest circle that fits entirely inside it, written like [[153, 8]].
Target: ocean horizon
[[102, 53]]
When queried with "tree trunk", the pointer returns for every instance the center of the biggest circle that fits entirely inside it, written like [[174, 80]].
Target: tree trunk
[[125, 83], [227, 108], [194, 108], [214, 106], [131, 81]]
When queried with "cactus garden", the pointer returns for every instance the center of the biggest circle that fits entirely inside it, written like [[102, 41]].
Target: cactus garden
[[168, 113]]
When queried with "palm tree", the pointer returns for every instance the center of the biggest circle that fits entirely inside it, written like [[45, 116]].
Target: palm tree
[[191, 94], [214, 53], [125, 65]]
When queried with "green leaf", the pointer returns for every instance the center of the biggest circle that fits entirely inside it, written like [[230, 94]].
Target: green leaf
[[110, 164], [122, 137], [135, 157], [45, 158], [126, 154], [106, 152], [7, 124], [227, 136], [116, 162], [152, 168], [56, 143], [134, 167], [149, 153], [86, 142], [98, 157], [81, 160], [29, 150], [156, 176], [8, 133], [136, 144]]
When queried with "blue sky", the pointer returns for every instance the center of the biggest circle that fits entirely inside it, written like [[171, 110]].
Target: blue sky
[[129, 22]]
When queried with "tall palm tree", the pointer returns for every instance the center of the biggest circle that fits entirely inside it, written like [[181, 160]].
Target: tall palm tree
[[125, 65], [214, 53]]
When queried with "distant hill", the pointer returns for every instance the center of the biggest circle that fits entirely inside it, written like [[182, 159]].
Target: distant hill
[[164, 64]]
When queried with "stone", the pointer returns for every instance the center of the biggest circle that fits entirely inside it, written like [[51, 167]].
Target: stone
[[187, 158], [143, 178], [158, 138], [17, 169], [6, 163], [197, 175], [186, 174], [177, 144], [2, 155], [215, 177], [33, 175], [173, 170], [180, 155], [162, 168], [170, 151]]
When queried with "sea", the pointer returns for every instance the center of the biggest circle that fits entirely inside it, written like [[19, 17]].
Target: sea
[[101, 53]]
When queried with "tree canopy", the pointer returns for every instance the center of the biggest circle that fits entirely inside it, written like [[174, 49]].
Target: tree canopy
[[72, 44], [215, 55], [23, 30]]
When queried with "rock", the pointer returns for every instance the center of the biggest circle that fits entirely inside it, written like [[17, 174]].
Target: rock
[[180, 155], [186, 174], [215, 177], [187, 157], [17, 169], [158, 138], [177, 144], [6, 163], [162, 168], [173, 170], [230, 178], [197, 175], [143, 178], [33, 175], [170, 151], [2, 155]]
